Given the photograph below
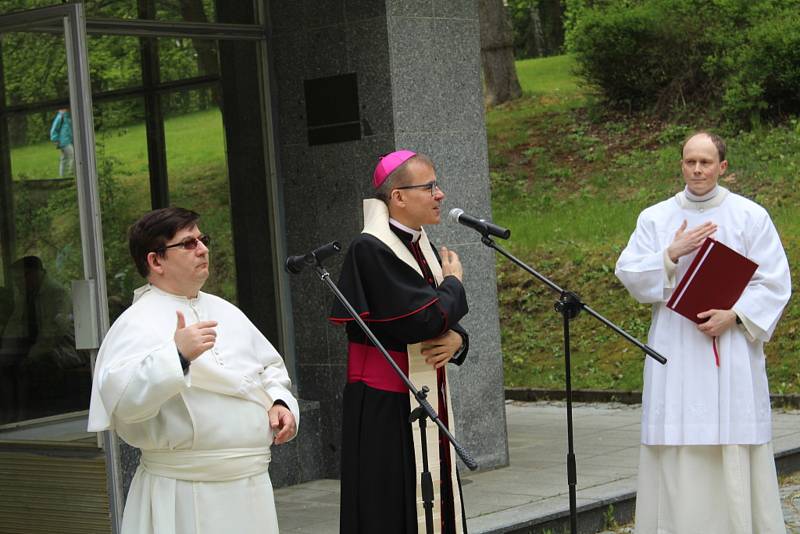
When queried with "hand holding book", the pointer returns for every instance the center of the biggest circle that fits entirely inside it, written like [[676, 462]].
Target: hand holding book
[[715, 322], [716, 278]]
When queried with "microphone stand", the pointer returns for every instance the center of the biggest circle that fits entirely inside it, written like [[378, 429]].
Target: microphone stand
[[424, 411], [569, 305]]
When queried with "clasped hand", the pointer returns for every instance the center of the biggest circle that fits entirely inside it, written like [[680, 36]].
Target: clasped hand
[[440, 350]]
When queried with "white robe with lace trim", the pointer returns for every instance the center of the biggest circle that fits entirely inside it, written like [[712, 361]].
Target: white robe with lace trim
[[199, 422]]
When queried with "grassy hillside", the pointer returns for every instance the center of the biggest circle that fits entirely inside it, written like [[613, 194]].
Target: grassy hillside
[[570, 179]]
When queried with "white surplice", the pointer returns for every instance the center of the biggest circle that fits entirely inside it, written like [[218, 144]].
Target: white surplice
[[706, 461], [691, 401], [205, 435]]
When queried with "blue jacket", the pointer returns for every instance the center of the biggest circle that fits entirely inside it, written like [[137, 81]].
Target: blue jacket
[[61, 130]]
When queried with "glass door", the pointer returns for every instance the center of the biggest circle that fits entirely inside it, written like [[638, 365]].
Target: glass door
[[178, 108], [53, 303]]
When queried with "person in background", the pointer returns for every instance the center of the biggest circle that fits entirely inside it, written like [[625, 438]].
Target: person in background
[[61, 135], [706, 462], [37, 344]]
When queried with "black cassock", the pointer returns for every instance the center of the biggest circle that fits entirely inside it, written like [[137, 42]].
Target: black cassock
[[378, 489]]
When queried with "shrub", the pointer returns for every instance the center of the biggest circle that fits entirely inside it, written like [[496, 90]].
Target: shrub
[[738, 57], [643, 55], [765, 74]]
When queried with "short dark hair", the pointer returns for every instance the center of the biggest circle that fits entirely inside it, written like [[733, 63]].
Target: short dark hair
[[152, 231], [400, 177], [717, 140], [28, 264]]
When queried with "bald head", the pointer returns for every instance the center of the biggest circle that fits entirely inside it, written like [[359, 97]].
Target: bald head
[[718, 142], [701, 165]]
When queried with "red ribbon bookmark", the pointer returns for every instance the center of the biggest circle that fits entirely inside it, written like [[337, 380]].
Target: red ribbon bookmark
[[714, 345]]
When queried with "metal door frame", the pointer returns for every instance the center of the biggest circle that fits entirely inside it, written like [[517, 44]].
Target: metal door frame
[[71, 20]]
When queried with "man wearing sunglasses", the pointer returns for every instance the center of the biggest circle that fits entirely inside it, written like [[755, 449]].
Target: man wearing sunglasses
[[412, 298], [188, 379]]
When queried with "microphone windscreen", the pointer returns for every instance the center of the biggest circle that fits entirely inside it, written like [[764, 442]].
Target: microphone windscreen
[[455, 213]]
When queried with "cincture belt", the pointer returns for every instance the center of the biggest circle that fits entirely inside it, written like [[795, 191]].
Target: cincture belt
[[219, 465], [365, 363]]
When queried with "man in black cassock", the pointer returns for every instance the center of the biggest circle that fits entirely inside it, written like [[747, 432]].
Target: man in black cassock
[[412, 298]]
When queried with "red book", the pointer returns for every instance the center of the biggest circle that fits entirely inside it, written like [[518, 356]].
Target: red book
[[715, 281]]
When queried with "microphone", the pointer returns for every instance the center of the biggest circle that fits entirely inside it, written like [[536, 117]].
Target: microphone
[[295, 264], [483, 226]]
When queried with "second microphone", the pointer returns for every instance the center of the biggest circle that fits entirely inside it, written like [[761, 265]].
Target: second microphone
[[483, 226], [295, 264]]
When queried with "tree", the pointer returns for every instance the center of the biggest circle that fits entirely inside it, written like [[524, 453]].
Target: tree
[[497, 53], [538, 27], [194, 11]]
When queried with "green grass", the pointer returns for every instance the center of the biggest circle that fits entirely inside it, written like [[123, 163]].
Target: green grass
[[549, 76], [545, 222], [569, 178], [192, 140]]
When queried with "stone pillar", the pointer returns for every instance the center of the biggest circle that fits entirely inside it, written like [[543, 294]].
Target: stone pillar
[[417, 65], [437, 101]]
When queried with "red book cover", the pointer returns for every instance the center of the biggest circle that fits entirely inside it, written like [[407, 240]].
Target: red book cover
[[715, 280]]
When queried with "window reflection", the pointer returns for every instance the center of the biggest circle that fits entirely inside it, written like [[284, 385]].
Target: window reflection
[[9, 6], [187, 10], [35, 67], [165, 10], [42, 146], [115, 62], [123, 9], [123, 174], [173, 10], [198, 176], [41, 372], [187, 58]]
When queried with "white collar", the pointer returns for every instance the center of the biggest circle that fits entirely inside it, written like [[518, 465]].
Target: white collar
[[701, 198], [711, 200], [141, 291], [415, 234]]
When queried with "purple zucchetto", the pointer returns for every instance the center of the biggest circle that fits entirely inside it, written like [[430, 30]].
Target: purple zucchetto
[[388, 164]]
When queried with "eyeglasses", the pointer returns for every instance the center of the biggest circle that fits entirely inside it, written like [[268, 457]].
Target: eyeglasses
[[190, 243], [430, 186]]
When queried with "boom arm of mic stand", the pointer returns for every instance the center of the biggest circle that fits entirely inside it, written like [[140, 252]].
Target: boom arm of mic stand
[[574, 301], [423, 402]]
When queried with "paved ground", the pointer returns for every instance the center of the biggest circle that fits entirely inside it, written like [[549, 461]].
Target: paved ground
[[790, 493], [534, 486]]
